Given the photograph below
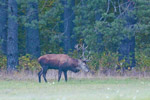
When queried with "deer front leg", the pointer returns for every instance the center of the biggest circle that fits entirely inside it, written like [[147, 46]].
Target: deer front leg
[[59, 74]]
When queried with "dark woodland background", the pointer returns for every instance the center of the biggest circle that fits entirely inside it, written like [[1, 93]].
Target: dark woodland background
[[115, 32]]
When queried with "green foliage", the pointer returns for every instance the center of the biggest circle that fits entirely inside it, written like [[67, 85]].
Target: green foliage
[[94, 61], [112, 33], [27, 63], [142, 61], [109, 60], [85, 22], [3, 62], [143, 26], [102, 35], [50, 35]]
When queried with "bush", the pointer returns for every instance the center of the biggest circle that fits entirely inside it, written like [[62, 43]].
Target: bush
[[3, 61], [109, 60], [94, 61], [27, 63], [142, 62]]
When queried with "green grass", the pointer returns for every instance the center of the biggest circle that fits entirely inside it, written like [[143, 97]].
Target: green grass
[[85, 89]]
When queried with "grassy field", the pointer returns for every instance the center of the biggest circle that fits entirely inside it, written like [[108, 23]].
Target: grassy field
[[75, 89]]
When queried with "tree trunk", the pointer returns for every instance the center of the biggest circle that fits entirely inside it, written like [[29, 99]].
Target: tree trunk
[[32, 31], [12, 37], [68, 25], [127, 47], [3, 25]]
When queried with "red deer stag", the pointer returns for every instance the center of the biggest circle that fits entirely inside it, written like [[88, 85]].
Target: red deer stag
[[62, 63]]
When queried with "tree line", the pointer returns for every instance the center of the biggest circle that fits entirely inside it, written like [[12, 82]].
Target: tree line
[[116, 32]]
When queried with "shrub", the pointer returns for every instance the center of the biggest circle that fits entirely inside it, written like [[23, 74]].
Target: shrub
[[27, 63], [109, 60], [3, 61], [94, 61], [142, 61]]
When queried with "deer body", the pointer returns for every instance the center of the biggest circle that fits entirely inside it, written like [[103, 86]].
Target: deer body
[[62, 63]]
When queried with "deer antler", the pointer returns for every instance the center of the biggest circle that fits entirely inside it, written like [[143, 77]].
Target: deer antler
[[82, 47], [77, 48]]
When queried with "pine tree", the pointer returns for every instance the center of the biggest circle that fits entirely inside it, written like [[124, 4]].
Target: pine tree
[[32, 30], [3, 25], [68, 17], [12, 37], [127, 47]]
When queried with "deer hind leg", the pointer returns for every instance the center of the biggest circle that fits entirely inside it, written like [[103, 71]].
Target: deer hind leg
[[39, 75], [44, 73]]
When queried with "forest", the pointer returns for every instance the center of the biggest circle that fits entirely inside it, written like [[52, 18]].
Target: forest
[[112, 34]]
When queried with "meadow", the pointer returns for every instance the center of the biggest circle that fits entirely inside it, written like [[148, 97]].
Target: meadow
[[107, 88]]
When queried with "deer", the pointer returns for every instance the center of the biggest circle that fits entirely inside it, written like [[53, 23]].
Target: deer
[[63, 63]]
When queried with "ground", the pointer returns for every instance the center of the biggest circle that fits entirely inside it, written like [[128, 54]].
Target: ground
[[76, 89]]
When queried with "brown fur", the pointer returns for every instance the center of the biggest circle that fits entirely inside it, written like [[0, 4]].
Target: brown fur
[[56, 61], [61, 62]]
